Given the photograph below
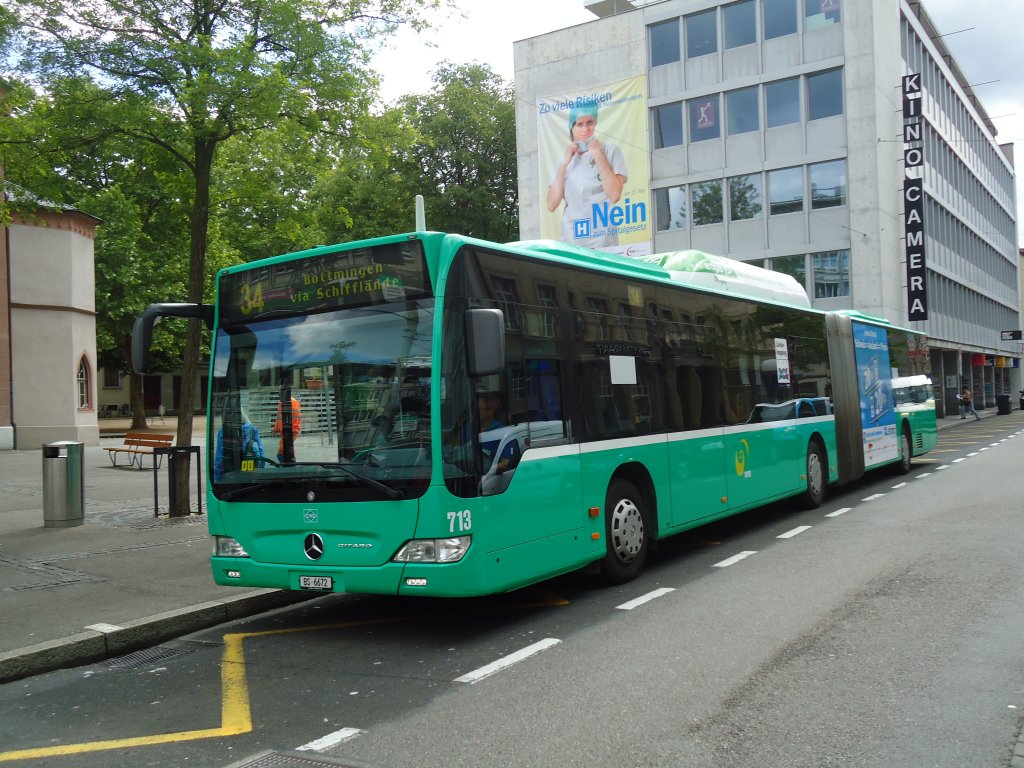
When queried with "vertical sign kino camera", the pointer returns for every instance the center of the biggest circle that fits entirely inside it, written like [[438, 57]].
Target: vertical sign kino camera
[[913, 199]]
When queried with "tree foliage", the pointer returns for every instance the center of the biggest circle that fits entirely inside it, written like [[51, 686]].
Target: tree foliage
[[468, 152]]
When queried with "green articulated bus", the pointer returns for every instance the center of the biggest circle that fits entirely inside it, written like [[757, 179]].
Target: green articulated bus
[[430, 414]]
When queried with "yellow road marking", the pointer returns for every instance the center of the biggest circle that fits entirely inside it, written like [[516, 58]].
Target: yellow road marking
[[235, 712], [235, 715]]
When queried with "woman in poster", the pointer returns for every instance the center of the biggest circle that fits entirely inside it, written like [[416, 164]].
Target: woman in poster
[[589, 172]]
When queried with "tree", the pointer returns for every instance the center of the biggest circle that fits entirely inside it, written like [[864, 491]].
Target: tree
[[454, 145], [467, 152], [187, 76]]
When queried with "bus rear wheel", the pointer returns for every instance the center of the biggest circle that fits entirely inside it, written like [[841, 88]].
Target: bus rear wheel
[[816, 477], [626, 533]]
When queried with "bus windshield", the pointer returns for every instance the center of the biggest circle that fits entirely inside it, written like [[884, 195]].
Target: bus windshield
[[334, 405]]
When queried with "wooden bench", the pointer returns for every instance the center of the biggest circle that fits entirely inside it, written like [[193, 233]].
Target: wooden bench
[[139, 444]]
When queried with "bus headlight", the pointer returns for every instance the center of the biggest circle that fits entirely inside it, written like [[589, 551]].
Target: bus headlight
[[433, 550], [225, 546]]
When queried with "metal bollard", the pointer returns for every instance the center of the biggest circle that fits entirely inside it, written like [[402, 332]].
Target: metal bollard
[[63, 484]]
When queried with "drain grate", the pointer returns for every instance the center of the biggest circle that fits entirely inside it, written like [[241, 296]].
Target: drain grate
[[281, 760], [144, 658]]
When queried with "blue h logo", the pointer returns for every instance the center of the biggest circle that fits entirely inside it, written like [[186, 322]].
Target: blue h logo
[[581, 228]]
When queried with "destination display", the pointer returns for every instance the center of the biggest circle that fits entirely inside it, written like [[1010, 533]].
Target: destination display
[[322, 281]]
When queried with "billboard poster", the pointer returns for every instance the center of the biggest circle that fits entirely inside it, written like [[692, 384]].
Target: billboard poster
[[874, 374], [592, 150]]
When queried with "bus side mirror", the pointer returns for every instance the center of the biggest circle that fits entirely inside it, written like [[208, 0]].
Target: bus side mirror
[[142, 330], [485, 338]]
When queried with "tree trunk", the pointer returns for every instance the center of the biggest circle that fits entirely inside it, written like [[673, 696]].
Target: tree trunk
[[182, 505], [138, 401]]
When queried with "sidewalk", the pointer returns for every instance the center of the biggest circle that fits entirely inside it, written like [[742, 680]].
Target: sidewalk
[[123, 580]]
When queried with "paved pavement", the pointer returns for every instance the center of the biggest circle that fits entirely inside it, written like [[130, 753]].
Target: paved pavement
[[124, 579]]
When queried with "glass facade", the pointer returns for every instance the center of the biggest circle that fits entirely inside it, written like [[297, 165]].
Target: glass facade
[[701, 33]]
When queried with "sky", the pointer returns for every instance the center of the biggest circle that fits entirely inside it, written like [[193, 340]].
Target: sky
[[983, 36]]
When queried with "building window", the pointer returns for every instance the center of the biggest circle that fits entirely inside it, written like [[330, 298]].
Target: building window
[[739, 24], [831, 270], [507, 296], [547, 297], [821, 13], [664, 42], [599, 308], [111, 378], [742, 111], [84, 389], [785, 191], [668, 125], [704, 118], [794, 266], [779, 18], [825, 94], [701, 33], [745, 199], [707, 202], [671, 208], [782, 102], [828, 184]]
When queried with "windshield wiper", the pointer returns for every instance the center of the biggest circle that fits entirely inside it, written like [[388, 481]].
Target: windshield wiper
[[283, 482], [388, 490]]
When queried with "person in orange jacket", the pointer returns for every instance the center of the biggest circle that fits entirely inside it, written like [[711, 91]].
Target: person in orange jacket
[[289, 454]]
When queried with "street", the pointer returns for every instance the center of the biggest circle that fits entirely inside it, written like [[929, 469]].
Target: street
[[883, 629]]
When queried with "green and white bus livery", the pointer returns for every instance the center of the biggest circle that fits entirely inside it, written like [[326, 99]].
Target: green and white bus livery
[[438, 415]]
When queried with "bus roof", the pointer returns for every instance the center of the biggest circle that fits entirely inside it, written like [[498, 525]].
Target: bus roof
[[694, 268]]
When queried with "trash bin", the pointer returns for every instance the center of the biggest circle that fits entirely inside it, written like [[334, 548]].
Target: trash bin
[[63, 484], [1003, 404]]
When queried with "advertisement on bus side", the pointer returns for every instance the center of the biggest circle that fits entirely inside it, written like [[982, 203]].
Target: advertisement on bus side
[[874, 384]]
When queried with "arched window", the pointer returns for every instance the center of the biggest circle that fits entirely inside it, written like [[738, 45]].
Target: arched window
[[84, 387]]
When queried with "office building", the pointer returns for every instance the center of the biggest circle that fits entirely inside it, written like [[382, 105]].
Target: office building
[[834, 140]]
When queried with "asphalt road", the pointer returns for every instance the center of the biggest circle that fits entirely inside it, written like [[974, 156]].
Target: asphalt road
[[881, 630]]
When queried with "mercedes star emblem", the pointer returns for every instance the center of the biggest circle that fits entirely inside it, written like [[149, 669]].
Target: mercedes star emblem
[[314, 546]]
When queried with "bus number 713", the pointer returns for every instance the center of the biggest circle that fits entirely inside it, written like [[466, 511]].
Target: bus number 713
[[460, 521]]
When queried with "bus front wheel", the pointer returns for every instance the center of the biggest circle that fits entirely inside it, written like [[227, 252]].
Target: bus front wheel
[[626, 533], [816, 475]]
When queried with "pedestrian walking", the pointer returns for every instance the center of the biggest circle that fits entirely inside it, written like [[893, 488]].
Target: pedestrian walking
[[967, 404]]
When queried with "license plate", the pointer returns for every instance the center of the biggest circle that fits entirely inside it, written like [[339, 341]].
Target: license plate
[[315, 582]]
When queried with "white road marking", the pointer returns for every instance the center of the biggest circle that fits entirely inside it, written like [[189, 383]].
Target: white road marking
[[923, 474], [507, 661], [962, 458], [629, 606], [941, 467], [105, 628], [874, 497], [330, 740], [733, 560], [898, 485], [795, 532], [839, 512]]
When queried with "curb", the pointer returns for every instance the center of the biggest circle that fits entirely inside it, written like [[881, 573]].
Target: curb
[[93, 645]]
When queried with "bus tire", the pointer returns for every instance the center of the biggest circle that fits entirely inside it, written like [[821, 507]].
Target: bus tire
[[626, 533], [906, 453], [817, 477]]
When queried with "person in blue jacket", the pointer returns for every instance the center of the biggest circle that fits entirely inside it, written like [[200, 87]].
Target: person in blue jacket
[[252, 447]]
